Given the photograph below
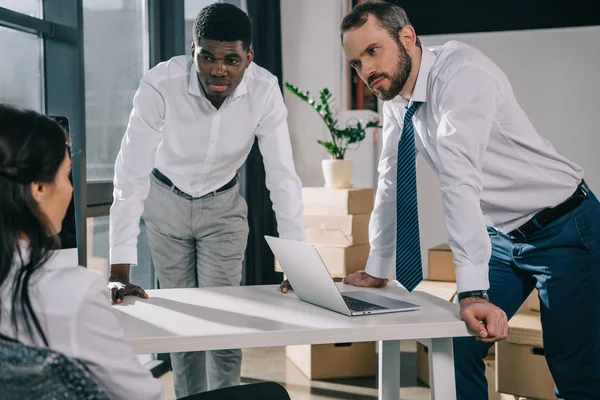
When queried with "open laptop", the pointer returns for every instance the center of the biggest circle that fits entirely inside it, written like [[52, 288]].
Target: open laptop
[[313, 284]]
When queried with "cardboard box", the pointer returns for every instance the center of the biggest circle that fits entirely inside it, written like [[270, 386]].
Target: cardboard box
[[533, 301], [341, 261], [422, 364], [337, 230], [490, 376], [341, 360], [521, 367], [325, 201], [525, 328], [522, 371], [490, 370], [444, 290], [441, 265]]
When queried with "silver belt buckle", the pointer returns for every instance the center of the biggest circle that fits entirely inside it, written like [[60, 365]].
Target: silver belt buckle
[[520, 232], [584, 188]]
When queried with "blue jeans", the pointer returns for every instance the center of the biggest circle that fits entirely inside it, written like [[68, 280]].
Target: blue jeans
[[563, 262]]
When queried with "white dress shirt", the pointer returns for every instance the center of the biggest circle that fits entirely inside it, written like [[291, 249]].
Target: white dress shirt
[[494, 169], [175, 128], [73, 307]]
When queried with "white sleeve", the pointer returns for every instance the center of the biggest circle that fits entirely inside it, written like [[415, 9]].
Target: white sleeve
[[281, 179], [466, 107], [98, 342], [382, 226], [132, 172]]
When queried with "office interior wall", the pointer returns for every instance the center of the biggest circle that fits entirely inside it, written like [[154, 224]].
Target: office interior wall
[[312, 60]]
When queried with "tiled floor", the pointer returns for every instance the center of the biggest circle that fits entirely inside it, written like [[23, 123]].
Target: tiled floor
[[271, 364]]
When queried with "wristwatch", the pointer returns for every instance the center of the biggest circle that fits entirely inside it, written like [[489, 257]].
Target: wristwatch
[[473, 293]]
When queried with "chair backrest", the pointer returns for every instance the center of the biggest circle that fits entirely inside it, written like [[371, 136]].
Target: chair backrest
[[29, 372]]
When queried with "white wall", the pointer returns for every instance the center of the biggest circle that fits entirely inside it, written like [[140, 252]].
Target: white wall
[[312, 60], [554, 74]]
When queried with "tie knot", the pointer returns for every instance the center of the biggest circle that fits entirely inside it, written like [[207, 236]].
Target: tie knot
[[413, 108]]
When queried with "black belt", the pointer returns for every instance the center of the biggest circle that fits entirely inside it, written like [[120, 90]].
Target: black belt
[[549, 215], [159, 175]]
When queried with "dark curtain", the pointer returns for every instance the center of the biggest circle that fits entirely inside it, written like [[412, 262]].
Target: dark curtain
[[259, 262]]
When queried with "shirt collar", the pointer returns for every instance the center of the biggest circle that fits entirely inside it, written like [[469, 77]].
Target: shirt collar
[[420, 91], [195, 90]]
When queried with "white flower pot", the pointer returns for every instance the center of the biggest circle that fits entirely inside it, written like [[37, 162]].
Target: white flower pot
[[337, 173]]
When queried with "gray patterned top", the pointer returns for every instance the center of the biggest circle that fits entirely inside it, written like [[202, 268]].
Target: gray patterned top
[[29, 372]]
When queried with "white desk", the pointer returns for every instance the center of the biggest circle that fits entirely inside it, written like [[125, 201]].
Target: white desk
[[179, 320]]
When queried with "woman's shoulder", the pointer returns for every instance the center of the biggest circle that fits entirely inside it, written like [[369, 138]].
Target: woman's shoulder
[[64, 263], [63, 281]]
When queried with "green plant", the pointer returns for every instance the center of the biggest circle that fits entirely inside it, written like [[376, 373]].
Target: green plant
[[341, 139]]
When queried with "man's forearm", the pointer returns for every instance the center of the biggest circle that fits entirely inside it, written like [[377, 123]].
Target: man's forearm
[[119, 272]]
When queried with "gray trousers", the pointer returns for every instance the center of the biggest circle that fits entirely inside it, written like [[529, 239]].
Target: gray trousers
[[198, 243]]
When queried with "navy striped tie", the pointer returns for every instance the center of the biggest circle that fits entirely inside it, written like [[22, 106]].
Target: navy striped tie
[[409, 270]]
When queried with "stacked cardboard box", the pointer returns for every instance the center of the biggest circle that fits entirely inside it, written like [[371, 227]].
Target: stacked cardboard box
[[522, 368], [332, 361], [337, 223], [441, 282]]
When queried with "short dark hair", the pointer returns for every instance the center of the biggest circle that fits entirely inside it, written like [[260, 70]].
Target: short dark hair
[[390, 15], [225, 23]]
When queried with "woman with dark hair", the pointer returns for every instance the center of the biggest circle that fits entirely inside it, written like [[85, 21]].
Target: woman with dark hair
[[43, 303]]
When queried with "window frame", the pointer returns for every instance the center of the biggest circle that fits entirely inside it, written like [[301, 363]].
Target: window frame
[[60, 31]]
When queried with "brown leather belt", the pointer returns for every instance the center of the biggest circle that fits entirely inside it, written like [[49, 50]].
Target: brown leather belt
[[166, 181], [549, 215]]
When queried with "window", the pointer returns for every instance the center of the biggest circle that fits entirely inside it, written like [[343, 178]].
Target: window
[[193, 7], [98, 253], [33, 8], [21, 74], [116, 57]]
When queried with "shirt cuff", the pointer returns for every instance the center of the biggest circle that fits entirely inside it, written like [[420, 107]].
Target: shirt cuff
[[472, 277], [380, 267], [299, 236], [293, 230], [123, 255]]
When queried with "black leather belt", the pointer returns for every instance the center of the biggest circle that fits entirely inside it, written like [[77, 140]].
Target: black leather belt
[[549, 215], [159, 175]]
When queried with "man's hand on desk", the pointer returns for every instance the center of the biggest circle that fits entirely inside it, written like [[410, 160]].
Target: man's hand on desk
[[485, 319], [119, 285], [285, 286], [362, 279], [359, 278]]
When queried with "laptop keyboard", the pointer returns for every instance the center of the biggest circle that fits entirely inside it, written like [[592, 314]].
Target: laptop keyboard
[[359, 305]]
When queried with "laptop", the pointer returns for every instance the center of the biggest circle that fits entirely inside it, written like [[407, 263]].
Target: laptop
[[313, 284]]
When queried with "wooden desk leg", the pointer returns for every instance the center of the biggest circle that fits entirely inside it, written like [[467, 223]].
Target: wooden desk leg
[[441, 369], [389, 370]]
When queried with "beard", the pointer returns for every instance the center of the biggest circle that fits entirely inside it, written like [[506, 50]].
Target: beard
[[398, 79]]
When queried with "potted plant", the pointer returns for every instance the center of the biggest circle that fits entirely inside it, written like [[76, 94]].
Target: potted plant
[[336, 170]]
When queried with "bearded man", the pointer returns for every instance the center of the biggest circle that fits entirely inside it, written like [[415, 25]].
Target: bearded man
[[519, 215]]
